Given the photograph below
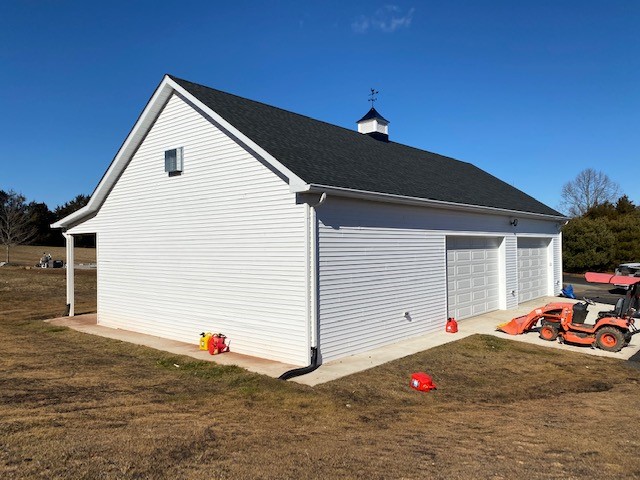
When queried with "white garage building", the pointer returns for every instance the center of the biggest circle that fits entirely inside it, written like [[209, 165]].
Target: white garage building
[[219, 213]]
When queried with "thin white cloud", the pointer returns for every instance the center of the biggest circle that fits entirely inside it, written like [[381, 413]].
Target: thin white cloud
[[387, 19]]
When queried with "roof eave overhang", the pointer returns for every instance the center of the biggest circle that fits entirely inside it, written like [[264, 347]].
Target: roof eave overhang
[[72, 219], [139, 131], [405, 200]]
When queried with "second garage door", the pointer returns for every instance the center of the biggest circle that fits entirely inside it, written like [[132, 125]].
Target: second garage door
[[472, 275], [533, 277]]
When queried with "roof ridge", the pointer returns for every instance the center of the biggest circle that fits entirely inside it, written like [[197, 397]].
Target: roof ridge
[[350, 130], [250, 100], [327, 154]]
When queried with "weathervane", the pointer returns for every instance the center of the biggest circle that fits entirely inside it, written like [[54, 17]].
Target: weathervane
[[372, 96]]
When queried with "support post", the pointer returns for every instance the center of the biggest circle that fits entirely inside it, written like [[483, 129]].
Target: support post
[[70, 274]]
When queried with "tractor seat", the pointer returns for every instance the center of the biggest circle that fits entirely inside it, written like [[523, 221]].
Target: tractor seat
[[616, 312]]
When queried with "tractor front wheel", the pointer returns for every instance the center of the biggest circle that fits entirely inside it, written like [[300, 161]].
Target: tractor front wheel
[[548, 332], [610, 339]]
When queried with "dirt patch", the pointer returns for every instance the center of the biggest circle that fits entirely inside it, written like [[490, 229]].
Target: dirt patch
[[77, 406]]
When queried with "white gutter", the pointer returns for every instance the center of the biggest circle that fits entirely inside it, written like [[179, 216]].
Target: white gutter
[[392, 198]]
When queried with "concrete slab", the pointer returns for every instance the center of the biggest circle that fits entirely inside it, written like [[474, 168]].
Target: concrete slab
[[88, 324], [482, 324]]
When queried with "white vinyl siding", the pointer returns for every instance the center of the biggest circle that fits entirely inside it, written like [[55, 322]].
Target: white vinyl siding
[[473, 279], [219, 248], [557, 264], [377, 261], [533, 273], [369, 276]]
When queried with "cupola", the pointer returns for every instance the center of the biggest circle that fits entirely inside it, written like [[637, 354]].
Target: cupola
[[374, 125]]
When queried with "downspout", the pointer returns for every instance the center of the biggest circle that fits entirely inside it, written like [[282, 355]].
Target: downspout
[[312, 291]]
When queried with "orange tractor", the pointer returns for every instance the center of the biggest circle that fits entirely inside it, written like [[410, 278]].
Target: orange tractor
[[564, 321]]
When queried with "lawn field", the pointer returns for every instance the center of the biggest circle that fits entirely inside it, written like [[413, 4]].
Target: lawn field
[[29, 255], [77, 406]]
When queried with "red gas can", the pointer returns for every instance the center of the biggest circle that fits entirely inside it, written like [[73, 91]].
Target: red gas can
[[217, 344], [452, 325], [422, 382]]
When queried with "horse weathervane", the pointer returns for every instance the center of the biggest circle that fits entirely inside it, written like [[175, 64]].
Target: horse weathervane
[[372, 96]]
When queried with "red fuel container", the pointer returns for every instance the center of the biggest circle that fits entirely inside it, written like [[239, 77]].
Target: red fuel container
[[422, 382], [452, 325]]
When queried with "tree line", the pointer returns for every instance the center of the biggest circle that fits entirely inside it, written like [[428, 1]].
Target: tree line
[[604, 230], [28, 223]]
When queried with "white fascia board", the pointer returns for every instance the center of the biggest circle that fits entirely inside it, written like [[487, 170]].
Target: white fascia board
[[278, 166], [120, 161], [405, 200], [142, 126], [71, 218]]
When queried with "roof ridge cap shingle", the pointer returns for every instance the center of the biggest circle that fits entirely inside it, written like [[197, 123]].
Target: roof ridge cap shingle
[[350, 130], [327, 154]]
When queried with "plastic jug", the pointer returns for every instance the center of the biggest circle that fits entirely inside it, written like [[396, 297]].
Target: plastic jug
[[452, 325], [422, 382], [204, 340]]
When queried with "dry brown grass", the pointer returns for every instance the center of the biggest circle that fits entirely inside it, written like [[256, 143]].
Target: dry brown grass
[[29, 255], [77, 406]]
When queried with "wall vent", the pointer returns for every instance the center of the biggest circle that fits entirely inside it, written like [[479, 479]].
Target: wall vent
[[173, 161]]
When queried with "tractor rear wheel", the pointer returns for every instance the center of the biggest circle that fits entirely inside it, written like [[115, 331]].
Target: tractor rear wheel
[[610, 339], [549, 332]]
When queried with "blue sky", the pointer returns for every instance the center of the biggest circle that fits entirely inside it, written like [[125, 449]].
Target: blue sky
[[531, 91]]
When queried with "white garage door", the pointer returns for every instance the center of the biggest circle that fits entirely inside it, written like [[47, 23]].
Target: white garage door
[[533, 279], [472, 276]]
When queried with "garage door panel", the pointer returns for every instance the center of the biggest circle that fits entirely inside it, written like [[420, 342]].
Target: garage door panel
[[479, 295], [479, 282], [478, 255], [473, 275], [463, 298], [462, 255], [478, 268], [532, 268], [463, 270]]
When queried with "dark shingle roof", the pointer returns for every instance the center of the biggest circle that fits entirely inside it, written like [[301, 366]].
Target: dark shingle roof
[[324, 154]]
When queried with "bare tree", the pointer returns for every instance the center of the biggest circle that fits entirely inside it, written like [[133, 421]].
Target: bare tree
[[16, 226], [589, 189]]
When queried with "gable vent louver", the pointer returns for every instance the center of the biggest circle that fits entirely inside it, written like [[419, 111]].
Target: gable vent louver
[[173, 161]]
